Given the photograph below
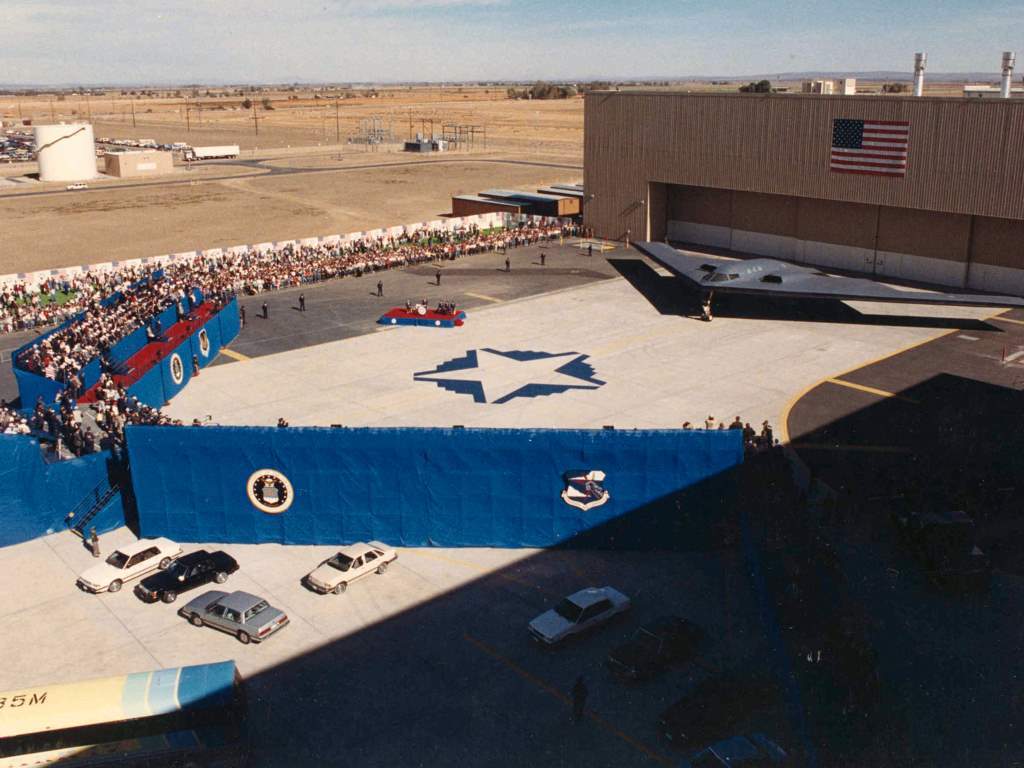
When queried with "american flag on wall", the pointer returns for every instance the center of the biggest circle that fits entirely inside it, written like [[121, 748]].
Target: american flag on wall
[[875, 147]]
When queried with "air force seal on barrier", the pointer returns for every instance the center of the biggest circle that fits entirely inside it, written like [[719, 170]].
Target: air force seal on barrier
[[270, 491], [583, 489], [177, 369], [204, 343]]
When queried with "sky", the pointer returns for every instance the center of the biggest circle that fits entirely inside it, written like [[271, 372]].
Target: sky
[[73, 42]]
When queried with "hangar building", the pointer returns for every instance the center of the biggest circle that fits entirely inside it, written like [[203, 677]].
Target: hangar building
[[939, 198]]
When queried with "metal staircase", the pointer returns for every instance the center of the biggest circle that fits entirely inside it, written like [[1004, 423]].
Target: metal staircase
[[90, 506]]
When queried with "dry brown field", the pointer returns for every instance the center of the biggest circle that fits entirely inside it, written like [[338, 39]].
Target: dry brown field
[[305, 118], [305, 184], [51, 231]]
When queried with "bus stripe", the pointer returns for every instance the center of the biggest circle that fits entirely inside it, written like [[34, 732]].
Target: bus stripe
[[163, 691], [134, 694]]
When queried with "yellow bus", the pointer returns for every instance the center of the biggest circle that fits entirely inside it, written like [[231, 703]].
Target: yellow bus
[[185, 716]]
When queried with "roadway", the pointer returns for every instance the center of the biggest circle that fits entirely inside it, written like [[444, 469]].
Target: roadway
[[259, 165]]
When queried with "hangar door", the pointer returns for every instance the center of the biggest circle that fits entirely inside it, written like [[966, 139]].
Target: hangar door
[[878, 240]]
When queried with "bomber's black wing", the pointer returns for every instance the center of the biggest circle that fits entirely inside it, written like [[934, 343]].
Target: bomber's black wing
[[771, 277]]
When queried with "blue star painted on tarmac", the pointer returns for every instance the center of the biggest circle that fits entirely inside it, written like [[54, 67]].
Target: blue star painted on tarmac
[[498, 377]]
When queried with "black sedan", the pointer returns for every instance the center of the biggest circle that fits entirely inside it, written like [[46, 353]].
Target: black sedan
[[715, 707], [655, 647], [187, 572]]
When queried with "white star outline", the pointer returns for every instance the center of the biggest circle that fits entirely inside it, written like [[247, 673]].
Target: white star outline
[[496, 377]]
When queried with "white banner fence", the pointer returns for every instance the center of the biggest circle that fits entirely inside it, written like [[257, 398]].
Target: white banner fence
[[483, 220]]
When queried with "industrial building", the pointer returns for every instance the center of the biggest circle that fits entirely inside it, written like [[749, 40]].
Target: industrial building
[[471, 205], [846, 86], [938, 197], [539, 204], [556, 200], [127, 165]]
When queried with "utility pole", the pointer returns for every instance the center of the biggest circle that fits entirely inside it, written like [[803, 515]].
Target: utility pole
[[133, 112], [20, 116], [337, 119], [188, 117], [88, 106], [255, 119], [53, 118]]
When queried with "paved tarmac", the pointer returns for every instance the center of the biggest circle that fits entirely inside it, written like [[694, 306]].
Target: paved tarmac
[[341, 309], [632, 333], [431, 664], [937, 426]]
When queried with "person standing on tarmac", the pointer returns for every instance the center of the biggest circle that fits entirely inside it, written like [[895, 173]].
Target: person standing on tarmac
[[579, 700]]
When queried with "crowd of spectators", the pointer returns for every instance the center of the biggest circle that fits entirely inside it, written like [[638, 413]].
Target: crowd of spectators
[[63, 355], [63, 429], [754, 441], [252, 271]]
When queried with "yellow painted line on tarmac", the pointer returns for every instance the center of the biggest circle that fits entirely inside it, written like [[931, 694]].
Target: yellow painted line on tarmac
[[483, 296], [1007, 320], [870, 390], [853, 448], [481, 570], [783, 429], [565, 699], [234, 355]]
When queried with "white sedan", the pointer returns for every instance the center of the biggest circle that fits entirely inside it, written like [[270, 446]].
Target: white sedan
[[578, 613], [335, 573], [129, 562]]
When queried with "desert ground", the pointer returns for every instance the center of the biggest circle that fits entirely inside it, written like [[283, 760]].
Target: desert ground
[[292, 180]]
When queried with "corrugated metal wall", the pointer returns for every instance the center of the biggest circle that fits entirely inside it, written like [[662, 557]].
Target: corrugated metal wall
[[966, 156]]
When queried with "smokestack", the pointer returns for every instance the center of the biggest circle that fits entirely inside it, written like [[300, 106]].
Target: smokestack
[[1009, 59], [920, 59]]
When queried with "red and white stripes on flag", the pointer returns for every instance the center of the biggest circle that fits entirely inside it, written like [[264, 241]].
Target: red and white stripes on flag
[[874, 147]]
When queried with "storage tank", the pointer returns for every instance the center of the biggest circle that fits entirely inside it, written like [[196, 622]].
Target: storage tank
[[65, 152]]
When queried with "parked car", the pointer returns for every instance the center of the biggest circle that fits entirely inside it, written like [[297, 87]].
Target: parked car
[[76, 186], [655, 647], [944, 543], [338, 571], [129, 562], [187, 572], [753, 751], [578, 613], [249, 618], [715, 706]]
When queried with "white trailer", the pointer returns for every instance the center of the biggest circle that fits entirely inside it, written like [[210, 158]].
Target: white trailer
[[211, 153]]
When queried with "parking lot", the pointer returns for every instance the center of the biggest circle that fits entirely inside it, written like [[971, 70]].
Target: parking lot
[[429, 663]]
